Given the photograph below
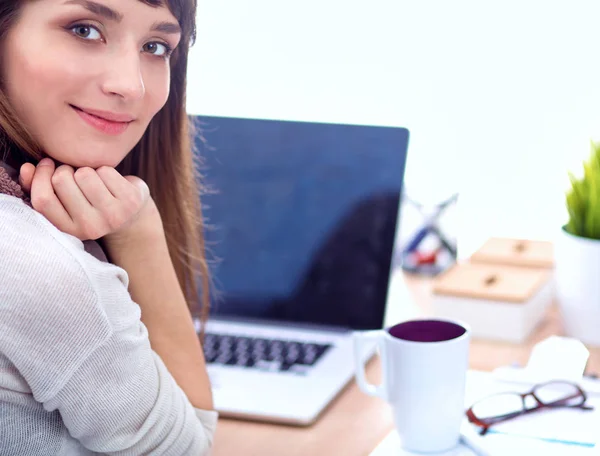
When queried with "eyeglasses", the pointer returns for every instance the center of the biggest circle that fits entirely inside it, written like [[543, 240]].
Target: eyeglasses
[[501, 407]]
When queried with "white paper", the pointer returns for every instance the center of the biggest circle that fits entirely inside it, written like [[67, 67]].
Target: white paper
[[503, 445], [539, 433], [571, 426]]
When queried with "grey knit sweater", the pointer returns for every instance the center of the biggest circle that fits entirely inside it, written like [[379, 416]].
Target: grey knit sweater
[[77, 373]]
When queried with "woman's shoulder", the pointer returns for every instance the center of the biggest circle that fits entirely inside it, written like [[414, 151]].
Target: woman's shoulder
[[22, 227], [37, 259], [41, 263]]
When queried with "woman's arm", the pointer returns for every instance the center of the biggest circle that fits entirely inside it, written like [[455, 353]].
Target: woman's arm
[[90, 204], [72, 332], [142, 251]]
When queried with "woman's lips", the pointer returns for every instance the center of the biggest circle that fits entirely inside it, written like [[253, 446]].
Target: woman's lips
[[109, 127]]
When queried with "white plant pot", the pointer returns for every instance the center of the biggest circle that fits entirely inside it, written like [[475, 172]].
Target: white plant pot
[[577, 281]]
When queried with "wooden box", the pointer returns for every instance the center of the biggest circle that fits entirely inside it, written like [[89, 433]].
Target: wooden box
[[498, 302], [516, 252]]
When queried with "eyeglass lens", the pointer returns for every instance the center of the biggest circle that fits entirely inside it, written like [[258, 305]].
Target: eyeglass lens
[[498, 405], [559, 393]]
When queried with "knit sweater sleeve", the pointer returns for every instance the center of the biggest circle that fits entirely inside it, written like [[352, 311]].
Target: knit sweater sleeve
[[68, 324]]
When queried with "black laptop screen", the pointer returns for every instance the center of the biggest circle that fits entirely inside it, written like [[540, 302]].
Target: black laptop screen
[[301, 218]]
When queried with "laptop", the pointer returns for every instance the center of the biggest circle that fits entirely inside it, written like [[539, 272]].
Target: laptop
[[301, 222]]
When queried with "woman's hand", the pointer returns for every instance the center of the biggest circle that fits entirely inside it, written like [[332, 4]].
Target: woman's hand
[[86, 203]]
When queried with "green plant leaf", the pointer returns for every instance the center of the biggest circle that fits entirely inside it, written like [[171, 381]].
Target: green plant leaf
[[593, 209], [590, 216], [583, 198]]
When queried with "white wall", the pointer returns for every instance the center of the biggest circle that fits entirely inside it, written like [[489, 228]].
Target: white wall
[[501, 98]]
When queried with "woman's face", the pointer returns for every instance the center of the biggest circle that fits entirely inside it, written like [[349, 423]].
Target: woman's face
[[86, 77]]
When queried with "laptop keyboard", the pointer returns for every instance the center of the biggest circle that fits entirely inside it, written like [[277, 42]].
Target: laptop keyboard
[[259, 353]]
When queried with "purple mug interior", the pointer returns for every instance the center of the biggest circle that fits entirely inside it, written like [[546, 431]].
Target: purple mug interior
[[427, 331]]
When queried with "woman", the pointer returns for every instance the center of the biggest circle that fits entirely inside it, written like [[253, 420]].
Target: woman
[[99, 356]]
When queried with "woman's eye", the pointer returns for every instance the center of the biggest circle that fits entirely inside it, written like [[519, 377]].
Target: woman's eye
[[158, 49], [86, 32]]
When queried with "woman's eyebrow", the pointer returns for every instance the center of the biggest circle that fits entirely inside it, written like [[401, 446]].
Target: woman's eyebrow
[[97, 8], [167, 27]]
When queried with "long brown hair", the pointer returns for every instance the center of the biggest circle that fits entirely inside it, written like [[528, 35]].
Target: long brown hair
[[163, 159]]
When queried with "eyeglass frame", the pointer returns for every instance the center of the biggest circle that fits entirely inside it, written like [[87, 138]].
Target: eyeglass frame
[[487, 423]]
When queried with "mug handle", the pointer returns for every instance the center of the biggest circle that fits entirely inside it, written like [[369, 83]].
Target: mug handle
[[360, 337]]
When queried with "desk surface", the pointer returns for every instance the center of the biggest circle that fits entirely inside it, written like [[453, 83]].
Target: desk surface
[[355, 423]]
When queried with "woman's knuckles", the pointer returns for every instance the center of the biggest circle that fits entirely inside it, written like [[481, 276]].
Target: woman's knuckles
[[41, 201], [83, 174], [106, 220], [62, 175]]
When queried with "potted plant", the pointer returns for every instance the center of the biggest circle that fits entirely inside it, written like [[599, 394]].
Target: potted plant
[[577, 255]]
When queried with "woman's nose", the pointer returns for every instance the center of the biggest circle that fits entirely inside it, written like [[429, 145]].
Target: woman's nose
[[124, 76]]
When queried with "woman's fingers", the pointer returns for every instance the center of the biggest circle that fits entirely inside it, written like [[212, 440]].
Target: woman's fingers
[[26, 176], [94, 189], [86, 203], [69, 193], [130, 191], [43, 198]]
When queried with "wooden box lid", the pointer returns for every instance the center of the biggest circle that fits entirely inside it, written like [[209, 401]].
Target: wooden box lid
[[517, 252], [491, 282]]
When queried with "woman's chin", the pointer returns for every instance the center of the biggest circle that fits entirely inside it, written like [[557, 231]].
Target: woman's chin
[[84, 162]]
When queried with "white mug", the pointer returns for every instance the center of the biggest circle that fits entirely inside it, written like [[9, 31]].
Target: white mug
[[424, 367]]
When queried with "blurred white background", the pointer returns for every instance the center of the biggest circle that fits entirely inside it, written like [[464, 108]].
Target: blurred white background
[[501, 98]]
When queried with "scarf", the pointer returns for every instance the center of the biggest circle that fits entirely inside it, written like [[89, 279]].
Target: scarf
[[9, 185]]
